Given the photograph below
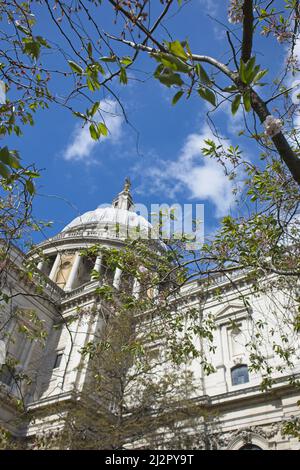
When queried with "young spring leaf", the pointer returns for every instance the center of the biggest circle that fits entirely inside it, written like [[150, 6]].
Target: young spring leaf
[[75, 67], [207, 95], [123, 76], [235, 104], [9, 159], [176, 48], [204, 78], [126, 60], [112, 58], [247, 101], [30, 187], [94, 132], [177, 96], [167, 77], [4, 171], [260, 75], [94, 108], [102, 129], [31, 47]]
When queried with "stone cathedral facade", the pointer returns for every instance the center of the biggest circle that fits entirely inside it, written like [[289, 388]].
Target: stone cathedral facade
[[248, 417]]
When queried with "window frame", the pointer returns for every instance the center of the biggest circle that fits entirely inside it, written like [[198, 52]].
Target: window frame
[[58, 358], [236, 368]]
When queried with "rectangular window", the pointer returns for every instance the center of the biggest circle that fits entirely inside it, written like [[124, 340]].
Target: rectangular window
[[58, 359], [6, 375], [239, 375]]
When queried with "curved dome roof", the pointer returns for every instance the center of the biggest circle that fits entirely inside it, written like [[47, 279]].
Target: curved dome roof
[[111, 216]]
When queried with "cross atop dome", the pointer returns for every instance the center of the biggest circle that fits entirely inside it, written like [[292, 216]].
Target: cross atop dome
[[124, 199]]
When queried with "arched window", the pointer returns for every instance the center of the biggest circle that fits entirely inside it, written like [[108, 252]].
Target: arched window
[[239, 375], [250, 447]]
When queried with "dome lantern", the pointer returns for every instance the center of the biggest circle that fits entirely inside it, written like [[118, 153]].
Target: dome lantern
[[124, 199]]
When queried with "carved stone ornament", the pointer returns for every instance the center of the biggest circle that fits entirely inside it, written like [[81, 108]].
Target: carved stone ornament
[[247, 434], [238, 360]]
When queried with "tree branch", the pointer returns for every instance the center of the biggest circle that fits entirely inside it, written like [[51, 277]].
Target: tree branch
[[281, 144], [135, 21], [247, 30], [195, 57]]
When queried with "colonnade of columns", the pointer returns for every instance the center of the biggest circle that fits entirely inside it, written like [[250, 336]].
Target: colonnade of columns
[[75, 269]]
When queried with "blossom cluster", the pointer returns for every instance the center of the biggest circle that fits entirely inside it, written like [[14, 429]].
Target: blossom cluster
[[272, 126], [235, 11], [283, 36]]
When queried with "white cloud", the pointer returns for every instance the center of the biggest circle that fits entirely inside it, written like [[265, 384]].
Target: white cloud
[[210, 6], [234, 123], [82, 145], [294, 80], [202, 177]]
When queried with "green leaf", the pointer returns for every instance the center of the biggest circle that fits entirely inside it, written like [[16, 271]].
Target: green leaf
[[249, 66], [171, 62], [230, 88], [176, 48], [4, 171], [112, 58], [23, 29], [235, 104], [43, 41], [247, 101], [92, 84], [177, 96], [167, 77], [92, 71], [31, 47], [94, 108], [102, 129], [32, 174], [9, 159], [4, 155], [123, 76], [30, 187], [94, 132], [204, 78], [260, 75], [207, 95], [75, 67], [126, 60]]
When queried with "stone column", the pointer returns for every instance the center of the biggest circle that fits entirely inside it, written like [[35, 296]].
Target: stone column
[[73, 351], [26, 354], [117, 278], [136, 288], [74, 270], [97, 265], [54, 267]]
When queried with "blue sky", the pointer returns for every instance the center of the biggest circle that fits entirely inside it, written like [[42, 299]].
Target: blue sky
[[159, 149]]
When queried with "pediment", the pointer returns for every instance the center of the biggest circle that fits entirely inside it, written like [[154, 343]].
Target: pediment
[[231, 311]]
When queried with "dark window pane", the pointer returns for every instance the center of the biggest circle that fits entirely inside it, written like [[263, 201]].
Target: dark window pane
[[57, 360], [250, 447], [239, 375], [6, 375]]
